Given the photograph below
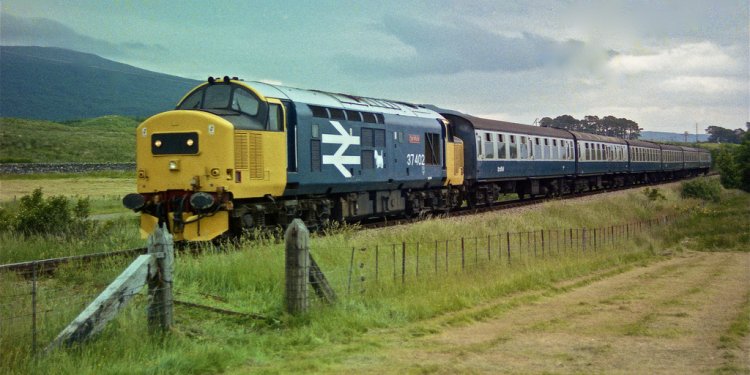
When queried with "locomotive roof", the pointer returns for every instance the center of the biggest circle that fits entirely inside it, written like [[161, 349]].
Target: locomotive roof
[[597, 138], [342, 101]]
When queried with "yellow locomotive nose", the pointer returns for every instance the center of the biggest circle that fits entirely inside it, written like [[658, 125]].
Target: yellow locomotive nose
[[181, 150]]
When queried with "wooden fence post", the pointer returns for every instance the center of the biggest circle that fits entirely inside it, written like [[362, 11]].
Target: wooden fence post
[[507, 240], [403, 261], [463, 256], [160, 287], [297, 266]]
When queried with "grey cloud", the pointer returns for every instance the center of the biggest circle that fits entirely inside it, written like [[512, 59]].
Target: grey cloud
[[453, 48], [45, 32]]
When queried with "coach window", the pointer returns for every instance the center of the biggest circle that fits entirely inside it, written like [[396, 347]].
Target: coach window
[[523, 148], [537, 149], [501, 149], [587, 152], [570, 150], [513, 148], [489, 146], [556, 149]]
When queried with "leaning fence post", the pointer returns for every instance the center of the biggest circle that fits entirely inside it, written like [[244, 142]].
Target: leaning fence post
[[297, 266], [160, 287]]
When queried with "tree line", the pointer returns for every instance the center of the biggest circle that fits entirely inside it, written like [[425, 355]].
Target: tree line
[[717, 134], [607, 125]]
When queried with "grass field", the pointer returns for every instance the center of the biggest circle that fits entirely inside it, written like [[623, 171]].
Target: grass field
[[102, 139], [251, 280]]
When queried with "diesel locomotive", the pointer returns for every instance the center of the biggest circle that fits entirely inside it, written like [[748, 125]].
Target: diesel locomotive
[[238, 155]]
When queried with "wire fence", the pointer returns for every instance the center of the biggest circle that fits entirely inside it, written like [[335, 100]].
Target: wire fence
[[36, 304], [408, 262]]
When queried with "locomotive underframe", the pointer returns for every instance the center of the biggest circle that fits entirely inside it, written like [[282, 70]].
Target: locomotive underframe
[[316, 211]]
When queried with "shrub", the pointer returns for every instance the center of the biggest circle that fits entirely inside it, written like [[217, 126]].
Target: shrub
[[52, 215], [707, 189], [653, 194]]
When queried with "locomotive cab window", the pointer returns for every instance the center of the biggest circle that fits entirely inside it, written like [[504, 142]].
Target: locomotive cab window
[[275, 117], [232, 102]]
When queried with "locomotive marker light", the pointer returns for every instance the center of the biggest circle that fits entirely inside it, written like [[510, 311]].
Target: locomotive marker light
[[174, 165]]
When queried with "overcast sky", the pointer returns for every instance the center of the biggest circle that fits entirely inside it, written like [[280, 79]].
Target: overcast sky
[[666, 65]]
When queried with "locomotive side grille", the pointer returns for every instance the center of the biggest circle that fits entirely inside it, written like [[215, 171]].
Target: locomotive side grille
[[458, 158], [241, 155], [255, 150]]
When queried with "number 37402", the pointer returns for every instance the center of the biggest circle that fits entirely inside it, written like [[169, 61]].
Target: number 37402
[[414, 159]]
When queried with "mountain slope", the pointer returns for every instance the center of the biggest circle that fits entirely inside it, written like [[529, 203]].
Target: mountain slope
[[103, 139], [58, 84]]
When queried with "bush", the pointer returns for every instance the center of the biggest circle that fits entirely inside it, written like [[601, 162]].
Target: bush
[[52, 215], [734, 164], [654, 194], [707, 189]]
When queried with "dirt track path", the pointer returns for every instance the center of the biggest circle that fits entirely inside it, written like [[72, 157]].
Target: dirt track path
[[668, 317]]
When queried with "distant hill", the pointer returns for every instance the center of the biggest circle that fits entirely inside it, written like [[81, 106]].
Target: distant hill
[[59, 84], [671, 137], [103, 139]]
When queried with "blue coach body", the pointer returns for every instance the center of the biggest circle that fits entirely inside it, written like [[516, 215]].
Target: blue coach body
[[600, 155]]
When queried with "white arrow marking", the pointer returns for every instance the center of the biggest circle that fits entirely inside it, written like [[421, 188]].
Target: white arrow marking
[[345, 140]]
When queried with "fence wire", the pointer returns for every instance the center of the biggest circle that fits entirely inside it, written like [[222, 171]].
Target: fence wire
[[409, 262], [36, 304]]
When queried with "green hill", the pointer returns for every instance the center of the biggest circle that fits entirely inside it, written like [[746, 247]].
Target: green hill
[[102, 139], [58, 84]]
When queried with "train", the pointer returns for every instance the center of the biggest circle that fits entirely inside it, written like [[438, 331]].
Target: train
[[235, 156]]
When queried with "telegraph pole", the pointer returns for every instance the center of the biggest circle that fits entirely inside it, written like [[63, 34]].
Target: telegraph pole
[[696, 132]]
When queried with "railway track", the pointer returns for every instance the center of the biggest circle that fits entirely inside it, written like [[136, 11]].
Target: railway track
[[49, 265]]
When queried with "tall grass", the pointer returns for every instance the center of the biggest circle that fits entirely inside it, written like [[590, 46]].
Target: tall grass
[[251, 280]]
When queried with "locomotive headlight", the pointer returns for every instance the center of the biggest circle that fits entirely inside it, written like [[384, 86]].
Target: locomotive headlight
[[190, 142], [201, 200], [157, 143], [215, 172], [174, 165]]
